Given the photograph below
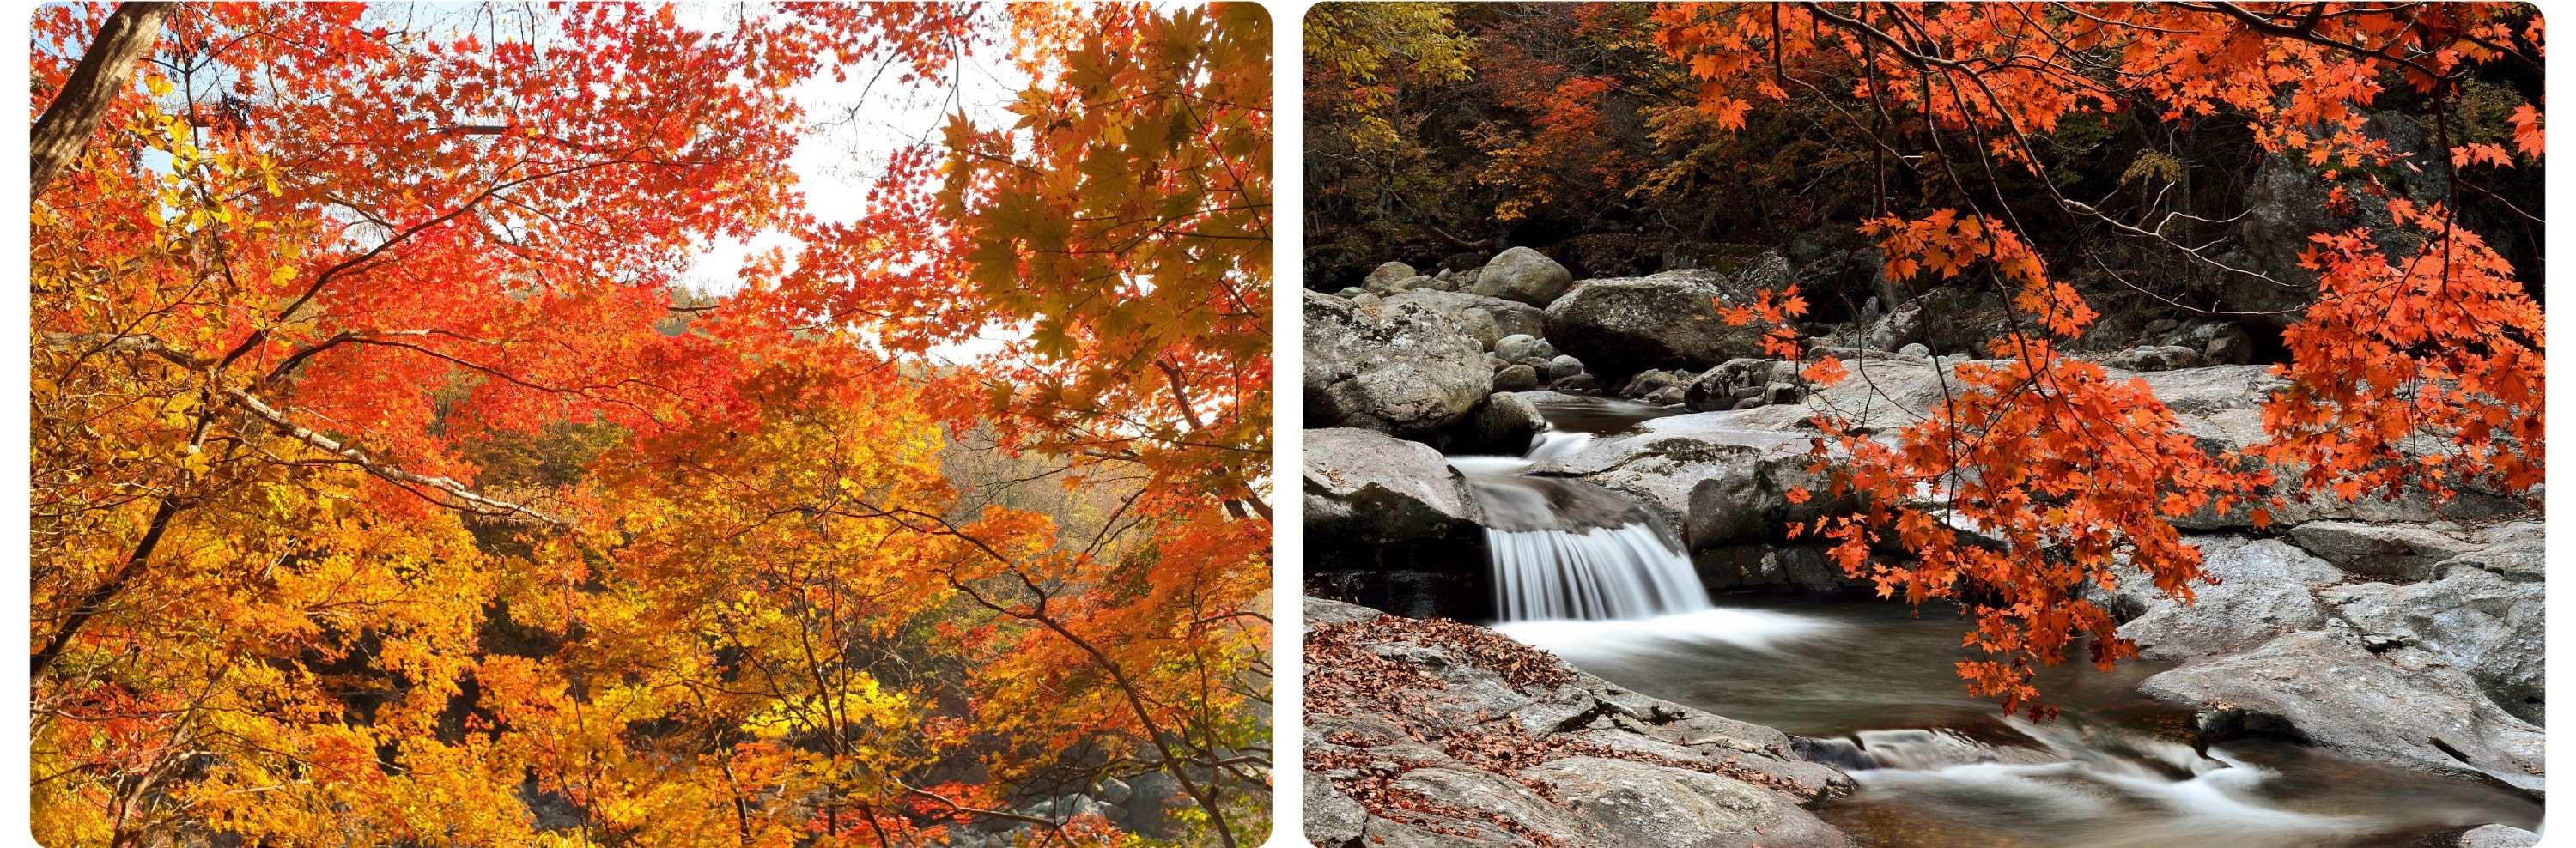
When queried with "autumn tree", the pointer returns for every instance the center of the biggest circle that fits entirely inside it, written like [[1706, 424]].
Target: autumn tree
[[1124, 221], [2417, 364], [385, 487]]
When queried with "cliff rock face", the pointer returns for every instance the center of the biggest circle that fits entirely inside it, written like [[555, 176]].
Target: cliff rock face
[[1436, 733]]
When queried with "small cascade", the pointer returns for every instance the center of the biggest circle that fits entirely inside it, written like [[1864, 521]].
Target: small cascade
[[1568, 549], [1606, 573], [1557, 444]]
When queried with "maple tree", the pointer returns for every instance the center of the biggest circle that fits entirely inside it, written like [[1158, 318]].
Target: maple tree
[[2411, 369], [387, 486]]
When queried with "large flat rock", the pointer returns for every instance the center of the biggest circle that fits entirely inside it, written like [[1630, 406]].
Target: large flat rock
[[2404, 705]]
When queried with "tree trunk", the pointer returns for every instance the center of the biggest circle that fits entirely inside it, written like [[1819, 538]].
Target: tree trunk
[[128, 35]]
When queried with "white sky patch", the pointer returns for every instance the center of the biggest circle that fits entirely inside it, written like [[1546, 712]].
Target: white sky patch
[[853, 127]]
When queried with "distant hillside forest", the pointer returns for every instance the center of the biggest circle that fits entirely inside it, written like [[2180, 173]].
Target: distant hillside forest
[[1440, 134]]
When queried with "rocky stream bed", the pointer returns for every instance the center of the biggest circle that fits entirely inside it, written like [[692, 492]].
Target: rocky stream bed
[[2344, 647]]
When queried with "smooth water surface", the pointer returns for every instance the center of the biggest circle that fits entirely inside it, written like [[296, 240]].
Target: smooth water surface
[[1873, 682]]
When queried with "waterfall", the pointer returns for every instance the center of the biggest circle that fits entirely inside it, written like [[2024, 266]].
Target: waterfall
[[1568, 549], [1618, 573]]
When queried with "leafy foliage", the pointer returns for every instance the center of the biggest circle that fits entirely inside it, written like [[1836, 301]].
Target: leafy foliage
[[387, 489], [2039, 475]]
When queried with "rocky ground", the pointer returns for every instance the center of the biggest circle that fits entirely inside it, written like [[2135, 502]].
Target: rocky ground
[[2385, 629], [1435, 733]]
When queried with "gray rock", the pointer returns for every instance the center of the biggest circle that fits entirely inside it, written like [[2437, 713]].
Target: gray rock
[[1652, 806], [1486, 792], [1652, 381], [1650, 778], [1766, 271], [1151, 795], [1517, 378], [2522, 559], [1485, 319], [1959, 322], [2231, 345], [1318, 612], [1523, 275], [1719, 387], [2489, 627], [1366, 487], [1333, 820], [1503, 425], [1516, 347], [2499, 836], [1764, 565], [2286, 202], [1719, 487], [1620, 326], [2395, 552], [1916, 349], [1578, 384], [1563, 367], [1900, 330], [1384, 278], [1114, 791], [2403, 706], [1399, 368], [2260, 589], [2155, 358]]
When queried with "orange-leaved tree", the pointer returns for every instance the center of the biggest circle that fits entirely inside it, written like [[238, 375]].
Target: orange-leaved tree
[[386, 485], [2416, 366], [1116, 238]]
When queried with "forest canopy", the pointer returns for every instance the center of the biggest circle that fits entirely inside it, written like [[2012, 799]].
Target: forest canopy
[[389, 485]]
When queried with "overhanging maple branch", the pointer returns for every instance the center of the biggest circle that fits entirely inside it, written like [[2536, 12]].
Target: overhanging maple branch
[[461, 498]]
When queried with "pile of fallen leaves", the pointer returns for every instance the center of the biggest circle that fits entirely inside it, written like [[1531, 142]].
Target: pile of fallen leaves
[[1346, 677]]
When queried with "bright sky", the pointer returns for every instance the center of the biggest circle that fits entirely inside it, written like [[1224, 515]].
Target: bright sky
[[852, 128]]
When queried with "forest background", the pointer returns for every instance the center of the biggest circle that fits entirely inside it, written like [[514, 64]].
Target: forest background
[[390, 482]]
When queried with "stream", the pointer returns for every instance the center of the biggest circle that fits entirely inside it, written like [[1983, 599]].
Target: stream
[[1870, 686]]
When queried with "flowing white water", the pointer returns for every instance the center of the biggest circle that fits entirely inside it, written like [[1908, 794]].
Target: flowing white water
[[1627, 572], [1568, 550], [1578, 640], [1557, 444], [1869, 689]]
